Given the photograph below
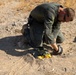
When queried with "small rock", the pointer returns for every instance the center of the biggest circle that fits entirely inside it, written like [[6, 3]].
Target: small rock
[[65, 69], [13, 24], [74, 39]]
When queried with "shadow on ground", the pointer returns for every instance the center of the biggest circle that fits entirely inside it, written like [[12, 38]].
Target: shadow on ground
[[9, 45]]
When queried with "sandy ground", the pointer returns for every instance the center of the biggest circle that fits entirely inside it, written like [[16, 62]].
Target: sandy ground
[[19, 61]]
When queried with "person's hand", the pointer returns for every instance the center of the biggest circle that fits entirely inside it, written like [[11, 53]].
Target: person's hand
[[59, 52]]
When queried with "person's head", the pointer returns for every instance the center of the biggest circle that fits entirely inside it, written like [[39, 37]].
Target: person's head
[[66, 14]]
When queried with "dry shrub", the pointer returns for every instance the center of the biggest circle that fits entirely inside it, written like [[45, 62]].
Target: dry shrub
[[28, 5]]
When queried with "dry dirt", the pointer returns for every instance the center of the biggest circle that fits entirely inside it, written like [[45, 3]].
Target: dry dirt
[[19, 61]]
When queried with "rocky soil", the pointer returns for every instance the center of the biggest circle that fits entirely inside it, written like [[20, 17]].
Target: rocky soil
[[19, 61]]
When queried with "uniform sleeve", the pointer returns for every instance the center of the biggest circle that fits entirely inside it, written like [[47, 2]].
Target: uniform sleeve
[[56, 29], [49, 31]]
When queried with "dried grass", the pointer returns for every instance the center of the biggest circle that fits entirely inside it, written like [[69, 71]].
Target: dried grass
[[30, 4]]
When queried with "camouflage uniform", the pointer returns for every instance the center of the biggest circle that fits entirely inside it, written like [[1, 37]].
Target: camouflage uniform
[[43, 23]]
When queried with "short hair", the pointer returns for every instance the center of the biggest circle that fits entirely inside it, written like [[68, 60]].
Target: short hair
[[70, 13]]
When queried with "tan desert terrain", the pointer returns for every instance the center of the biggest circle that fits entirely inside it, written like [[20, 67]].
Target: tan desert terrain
[[20, 61]]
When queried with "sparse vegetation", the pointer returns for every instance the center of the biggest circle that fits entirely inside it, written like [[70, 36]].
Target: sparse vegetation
[[19, 61], [30, 4]]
